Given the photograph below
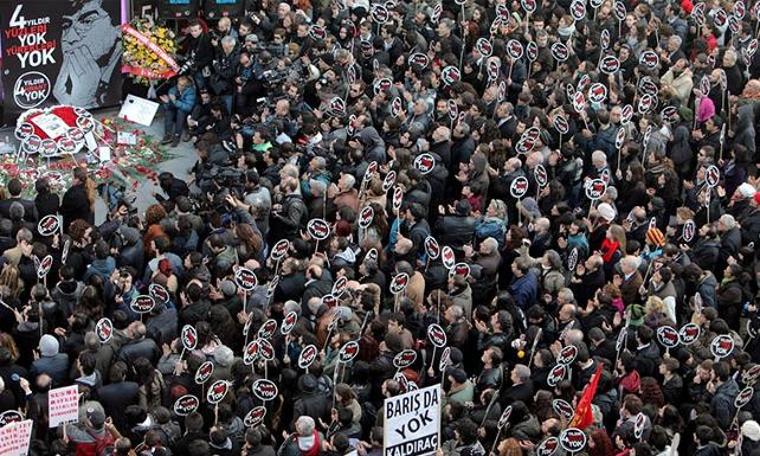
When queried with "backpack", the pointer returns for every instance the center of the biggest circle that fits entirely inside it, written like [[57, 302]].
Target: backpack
[[102, 446]]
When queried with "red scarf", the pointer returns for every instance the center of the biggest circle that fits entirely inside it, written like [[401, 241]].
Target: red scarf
[[608, 249]]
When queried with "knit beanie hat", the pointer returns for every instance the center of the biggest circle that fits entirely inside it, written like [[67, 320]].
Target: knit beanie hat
[[655, 237], [224, 356], [48, 345], [746, 190], [751, 430]]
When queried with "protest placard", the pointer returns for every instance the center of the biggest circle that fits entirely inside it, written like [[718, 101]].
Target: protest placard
[[413, 423], [63, 404]]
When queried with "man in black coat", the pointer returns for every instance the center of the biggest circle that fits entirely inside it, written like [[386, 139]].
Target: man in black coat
[[311, 402], [419, 229], [600, 346], [118, 394], [290, 215], [172, 186], [138, 346], [648, 356], [199, 52], [14, 190], [458, 228], [521, 388], [317, 284]]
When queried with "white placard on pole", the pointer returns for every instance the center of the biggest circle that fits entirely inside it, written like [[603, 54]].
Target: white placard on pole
[[63, 404]]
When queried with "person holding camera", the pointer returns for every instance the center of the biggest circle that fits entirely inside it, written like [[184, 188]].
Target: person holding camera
[[247, 87], [199, 53], [225, 68], [124, 291]]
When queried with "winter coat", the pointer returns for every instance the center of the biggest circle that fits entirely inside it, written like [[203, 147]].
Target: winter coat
[[706, 253], [374, 146], [525, 290], [465, 394], [722, 403], [706, 288], [76, 206], [184, 100], [494, 227], [56, 366], [455, 231], [67, 295], [463, 298], [745, 128], [293, 215], [529, 429]]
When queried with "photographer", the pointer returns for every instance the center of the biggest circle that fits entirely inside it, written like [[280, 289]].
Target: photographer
[[218, 126], [123, 291], [225, 68], [289, 216], [247, 87], [199, 53], [199, 117]]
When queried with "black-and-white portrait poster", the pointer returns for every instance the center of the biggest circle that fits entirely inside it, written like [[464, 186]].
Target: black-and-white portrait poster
[[60, 52]]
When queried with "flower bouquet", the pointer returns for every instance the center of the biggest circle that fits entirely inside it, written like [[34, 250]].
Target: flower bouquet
[[149, 51]]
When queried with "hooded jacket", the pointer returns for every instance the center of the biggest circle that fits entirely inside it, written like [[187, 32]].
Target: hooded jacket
[[67, 295], [374, 146], [745, 128]]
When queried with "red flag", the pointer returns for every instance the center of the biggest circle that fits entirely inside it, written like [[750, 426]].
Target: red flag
[[583, 417]]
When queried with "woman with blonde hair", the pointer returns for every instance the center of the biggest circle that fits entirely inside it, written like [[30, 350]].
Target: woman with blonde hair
[[493, 223], [655, 313], [613, 247], [10, 283]]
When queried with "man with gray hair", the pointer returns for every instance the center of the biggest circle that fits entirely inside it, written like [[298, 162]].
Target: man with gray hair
[[730, 240], [487, 256], [522, 386], [344, 194], [441, 145], [306, 440], [420, 119], [629, 280]]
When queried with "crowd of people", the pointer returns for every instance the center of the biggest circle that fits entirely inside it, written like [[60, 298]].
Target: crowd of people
[[526, 176]]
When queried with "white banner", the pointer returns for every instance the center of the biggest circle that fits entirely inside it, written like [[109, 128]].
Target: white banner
[[413, 423], [15, 438]]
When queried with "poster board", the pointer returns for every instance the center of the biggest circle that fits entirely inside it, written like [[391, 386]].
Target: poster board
[[138, 110], [63, 405], [413, 423], [15, 438], [46, 60]]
